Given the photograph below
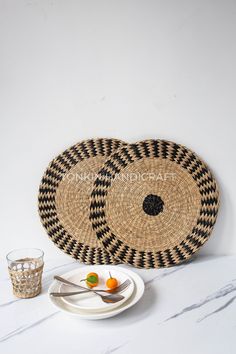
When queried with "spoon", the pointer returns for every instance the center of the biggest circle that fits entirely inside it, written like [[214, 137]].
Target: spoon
[[112, 298], [118, 289]]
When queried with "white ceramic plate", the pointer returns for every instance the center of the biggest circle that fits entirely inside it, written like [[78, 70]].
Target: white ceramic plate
[[70, 310], [91, 301]]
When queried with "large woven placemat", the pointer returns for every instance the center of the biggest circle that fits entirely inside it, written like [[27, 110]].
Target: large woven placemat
[[154, 204], [64, 199]]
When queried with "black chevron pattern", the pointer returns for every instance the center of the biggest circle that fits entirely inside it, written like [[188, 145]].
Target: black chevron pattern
[[53, 175], [186, 160]]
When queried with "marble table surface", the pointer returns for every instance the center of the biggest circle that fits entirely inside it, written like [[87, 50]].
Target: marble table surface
[[188, 309]]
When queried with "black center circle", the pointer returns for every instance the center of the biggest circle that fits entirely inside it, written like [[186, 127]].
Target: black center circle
[[153, 204]]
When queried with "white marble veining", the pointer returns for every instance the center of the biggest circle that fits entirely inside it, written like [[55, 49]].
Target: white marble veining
[[189, 309]]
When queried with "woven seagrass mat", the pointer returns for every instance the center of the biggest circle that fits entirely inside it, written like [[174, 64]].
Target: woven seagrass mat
[[64, 199], [154, 204]]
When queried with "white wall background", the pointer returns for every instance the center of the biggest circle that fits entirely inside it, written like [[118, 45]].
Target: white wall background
[[72, 70]]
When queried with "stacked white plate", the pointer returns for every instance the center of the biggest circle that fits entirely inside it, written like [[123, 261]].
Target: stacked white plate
[[90, 305]]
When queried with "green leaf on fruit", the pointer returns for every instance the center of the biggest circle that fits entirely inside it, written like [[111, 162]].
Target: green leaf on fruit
[[92, 279]]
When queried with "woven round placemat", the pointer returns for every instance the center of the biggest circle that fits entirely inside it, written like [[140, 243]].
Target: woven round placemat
[[154, 204], [64, 199]]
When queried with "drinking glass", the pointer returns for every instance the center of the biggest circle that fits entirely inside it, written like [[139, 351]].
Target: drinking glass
[[25, 267]]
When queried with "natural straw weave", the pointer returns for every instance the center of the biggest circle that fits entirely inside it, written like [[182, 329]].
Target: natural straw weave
[[154, 204], [26, 281], [64, 199]]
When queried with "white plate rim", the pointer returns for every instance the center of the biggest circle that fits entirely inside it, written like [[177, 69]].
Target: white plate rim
[[135, 297]]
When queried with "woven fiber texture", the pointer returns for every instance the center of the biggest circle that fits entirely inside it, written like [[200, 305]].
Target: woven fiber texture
[[64, 199], [154, 204], [26, 282]]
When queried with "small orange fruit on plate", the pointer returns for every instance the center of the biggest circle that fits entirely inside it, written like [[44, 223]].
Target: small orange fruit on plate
[[91, 279], [111, 282]]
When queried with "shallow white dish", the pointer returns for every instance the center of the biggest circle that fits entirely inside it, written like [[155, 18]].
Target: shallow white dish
[[90, 301], [68, 309]]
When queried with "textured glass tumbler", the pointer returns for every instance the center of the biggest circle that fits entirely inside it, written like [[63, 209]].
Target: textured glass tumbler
[[25, 267]]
